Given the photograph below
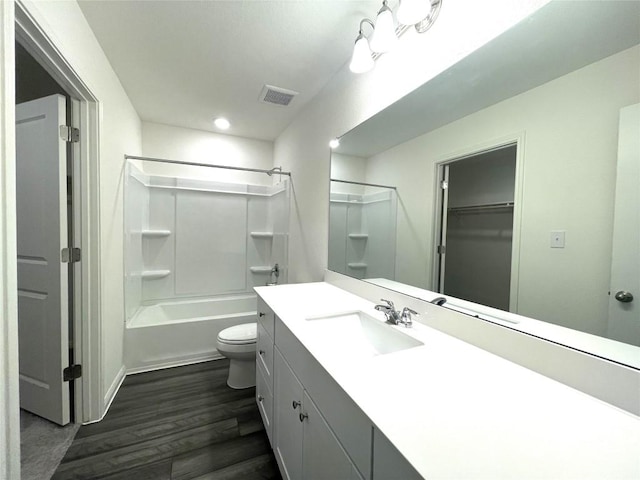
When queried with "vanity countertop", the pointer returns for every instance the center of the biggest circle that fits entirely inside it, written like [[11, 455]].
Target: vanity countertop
[[456, 411]]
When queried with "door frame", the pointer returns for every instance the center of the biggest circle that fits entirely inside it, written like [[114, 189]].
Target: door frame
[[88, 398], [517, 139]]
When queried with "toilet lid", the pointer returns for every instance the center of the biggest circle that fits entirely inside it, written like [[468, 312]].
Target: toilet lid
[[239, 334]]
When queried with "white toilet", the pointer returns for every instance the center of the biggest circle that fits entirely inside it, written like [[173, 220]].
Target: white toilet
[[238, 344]]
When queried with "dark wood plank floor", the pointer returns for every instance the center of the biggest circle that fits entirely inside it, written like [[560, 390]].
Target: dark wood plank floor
[[179, 423]]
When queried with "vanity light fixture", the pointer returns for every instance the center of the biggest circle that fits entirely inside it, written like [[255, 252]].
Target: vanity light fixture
[[418, 13], [335, 143], [222, 123], [361, 60], [384, 33]]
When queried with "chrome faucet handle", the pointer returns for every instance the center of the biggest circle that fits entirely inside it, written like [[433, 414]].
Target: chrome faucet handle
[[389, 303], [389, 311], [405, 317]]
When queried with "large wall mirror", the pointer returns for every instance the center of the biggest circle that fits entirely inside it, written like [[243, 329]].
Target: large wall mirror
[[495, 182]]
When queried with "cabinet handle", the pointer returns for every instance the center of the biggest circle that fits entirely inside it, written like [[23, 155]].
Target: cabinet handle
[[295, 404], [261, 314], [261, 352], [302, 416], [260, 398]]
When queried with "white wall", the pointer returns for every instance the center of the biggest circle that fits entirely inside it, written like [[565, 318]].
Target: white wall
[[570, 151], [119, 134], [348, 100], [348, 167], [188, 145]]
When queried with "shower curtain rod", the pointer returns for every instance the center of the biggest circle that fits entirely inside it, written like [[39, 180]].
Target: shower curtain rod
[[362, 183], [277, 170]]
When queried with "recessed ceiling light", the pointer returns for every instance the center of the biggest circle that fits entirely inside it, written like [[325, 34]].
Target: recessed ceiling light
[[222, 123], [335, 143]]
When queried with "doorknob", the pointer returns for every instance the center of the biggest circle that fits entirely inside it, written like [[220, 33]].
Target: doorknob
[[624, 297]]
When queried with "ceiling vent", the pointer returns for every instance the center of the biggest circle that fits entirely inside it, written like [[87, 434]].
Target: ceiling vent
[[277, 95]]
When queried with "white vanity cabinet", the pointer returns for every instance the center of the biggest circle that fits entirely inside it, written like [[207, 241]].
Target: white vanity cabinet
[[316, 431], [264, 365], [305, 446]]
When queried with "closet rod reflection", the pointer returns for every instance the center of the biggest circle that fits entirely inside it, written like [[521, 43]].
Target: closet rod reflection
[[277, 170], [487, 206]]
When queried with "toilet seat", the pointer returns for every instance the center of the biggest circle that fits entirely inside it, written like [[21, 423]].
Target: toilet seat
[[244, 334]]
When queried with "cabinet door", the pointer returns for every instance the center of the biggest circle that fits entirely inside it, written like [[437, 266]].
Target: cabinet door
[[323, 458], [288, 431]]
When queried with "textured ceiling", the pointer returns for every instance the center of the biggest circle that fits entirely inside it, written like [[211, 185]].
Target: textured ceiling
[[185, 62]]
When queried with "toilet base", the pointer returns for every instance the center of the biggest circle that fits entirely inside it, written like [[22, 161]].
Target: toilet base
[[242, 373]]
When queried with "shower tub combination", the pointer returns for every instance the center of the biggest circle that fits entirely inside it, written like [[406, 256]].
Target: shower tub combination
[[176, 333], [196, 243]]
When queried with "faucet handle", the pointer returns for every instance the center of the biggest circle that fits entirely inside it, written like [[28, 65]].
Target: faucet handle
[[405, 317], [389, 303]]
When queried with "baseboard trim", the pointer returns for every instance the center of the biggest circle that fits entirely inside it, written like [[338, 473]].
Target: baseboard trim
[[174, 363], [111, 393]]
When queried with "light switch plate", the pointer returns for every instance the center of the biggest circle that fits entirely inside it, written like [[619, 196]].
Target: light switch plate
[[557, 239]]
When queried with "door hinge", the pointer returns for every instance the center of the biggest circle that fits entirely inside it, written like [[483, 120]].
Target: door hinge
[[442, 249], [71, 372], [444, 185], [70, 255], [69, 134]]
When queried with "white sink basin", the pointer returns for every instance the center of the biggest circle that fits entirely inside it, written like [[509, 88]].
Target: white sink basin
[[359, 334]]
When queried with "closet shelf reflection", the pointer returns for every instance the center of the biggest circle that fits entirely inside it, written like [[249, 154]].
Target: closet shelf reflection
[[481, 208]]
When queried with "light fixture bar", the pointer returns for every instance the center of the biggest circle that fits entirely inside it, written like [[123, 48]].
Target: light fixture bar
[[426, 23]]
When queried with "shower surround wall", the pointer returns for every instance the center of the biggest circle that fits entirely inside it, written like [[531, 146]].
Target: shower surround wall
[[198, 247]]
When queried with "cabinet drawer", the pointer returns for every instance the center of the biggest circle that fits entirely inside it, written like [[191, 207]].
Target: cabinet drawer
[[264, 399], [265, 316], [264, 353]]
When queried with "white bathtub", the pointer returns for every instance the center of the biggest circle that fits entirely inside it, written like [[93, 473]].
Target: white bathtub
[[181, 332]]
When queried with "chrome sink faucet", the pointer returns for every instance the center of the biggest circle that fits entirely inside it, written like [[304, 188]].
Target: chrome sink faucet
[[394, 317], [389, 310]]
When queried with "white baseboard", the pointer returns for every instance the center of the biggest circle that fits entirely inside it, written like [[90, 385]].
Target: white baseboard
[[111, 393], [180, 362]]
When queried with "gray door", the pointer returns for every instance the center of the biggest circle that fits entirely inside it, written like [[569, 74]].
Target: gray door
[[43, 306]]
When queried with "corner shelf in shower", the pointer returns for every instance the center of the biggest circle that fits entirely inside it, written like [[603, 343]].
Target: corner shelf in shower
[[154, 274], [357, 266], [358, 236], [261, 234], [156, 233], [260, 269]]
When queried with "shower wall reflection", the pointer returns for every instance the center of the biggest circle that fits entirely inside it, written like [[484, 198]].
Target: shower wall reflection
[[362, 230]]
